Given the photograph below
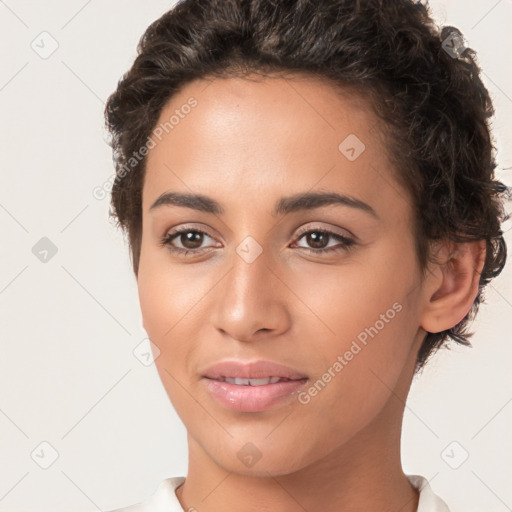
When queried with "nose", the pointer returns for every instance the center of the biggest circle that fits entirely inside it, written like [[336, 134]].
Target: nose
[[252, 300]]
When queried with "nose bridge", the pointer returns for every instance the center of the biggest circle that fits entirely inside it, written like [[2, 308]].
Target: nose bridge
[[251, 277], [250, 298], [252, 270]]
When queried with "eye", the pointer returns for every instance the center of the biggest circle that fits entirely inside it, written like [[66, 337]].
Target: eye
[[190, 239], [319, 238]]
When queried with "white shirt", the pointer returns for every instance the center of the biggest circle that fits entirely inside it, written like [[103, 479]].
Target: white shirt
[[165, 499]]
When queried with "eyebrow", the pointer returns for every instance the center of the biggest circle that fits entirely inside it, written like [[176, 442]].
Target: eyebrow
[[285, 205]]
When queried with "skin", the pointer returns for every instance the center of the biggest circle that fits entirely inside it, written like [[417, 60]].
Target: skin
[[246, 144]]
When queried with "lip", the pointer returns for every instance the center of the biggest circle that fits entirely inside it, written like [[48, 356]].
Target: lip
[[252, 398], [252, 370]]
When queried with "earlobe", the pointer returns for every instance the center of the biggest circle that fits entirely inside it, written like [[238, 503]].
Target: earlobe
[[454, 284]]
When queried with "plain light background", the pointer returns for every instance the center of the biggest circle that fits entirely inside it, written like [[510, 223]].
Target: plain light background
[[69, 377]]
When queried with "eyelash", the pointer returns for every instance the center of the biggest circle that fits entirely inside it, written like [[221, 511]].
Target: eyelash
[[346, 242]]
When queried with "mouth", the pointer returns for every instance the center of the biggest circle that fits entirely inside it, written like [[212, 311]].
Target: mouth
[[252, 387]]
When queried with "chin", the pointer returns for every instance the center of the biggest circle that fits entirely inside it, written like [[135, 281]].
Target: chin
[[259, 459]]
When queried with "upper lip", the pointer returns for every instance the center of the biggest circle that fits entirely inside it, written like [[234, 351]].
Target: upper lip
[[251, 370]]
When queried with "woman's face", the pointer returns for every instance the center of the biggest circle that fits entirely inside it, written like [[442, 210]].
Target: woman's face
[[255, 284]]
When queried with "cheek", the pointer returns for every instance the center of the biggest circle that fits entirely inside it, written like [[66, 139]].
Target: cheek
[[173, 308], [164, 306], [345, 302], [168, 294], [357, 374], [365, 324]]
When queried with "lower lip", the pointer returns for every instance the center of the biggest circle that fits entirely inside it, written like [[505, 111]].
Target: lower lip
[[252, 398]]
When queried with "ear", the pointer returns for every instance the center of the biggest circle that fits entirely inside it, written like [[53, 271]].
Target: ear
[[452, 284]]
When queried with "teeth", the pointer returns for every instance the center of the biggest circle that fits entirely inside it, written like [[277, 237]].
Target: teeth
[[252, 382]]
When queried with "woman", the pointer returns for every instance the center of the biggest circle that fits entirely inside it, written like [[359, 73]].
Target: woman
[[308, 189]]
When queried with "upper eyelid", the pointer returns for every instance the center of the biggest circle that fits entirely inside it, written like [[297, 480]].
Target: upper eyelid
[[332, 231], [186, 229]]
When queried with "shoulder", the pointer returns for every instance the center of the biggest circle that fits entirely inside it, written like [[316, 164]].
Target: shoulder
[[428, 501], [162, 500]]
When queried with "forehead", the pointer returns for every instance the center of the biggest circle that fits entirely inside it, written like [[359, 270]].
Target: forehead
[[245, 139]]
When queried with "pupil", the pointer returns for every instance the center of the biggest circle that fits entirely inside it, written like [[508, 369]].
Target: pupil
[[192, 237], [316, 236]]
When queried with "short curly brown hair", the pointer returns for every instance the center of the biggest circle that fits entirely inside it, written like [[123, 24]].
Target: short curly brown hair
[[419, 78]]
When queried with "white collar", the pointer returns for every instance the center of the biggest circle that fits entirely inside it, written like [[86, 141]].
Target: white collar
[[165, 500]]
